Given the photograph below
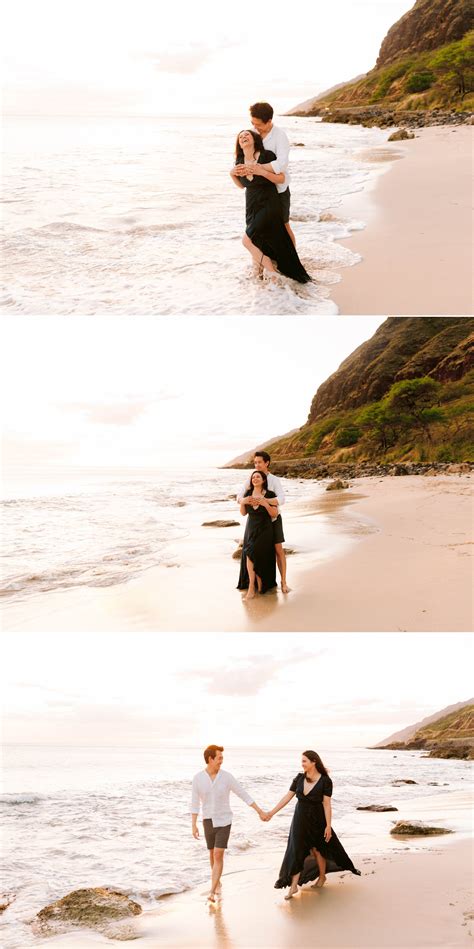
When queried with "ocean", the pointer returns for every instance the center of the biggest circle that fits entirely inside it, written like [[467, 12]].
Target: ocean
[[79, 816], [139, 216]]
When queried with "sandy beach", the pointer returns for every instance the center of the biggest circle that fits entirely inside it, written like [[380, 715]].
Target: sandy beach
[[416, 246], [395, 557], [415, 894]]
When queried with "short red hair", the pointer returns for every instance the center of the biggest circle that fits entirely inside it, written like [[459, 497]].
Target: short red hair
[[211, 752]]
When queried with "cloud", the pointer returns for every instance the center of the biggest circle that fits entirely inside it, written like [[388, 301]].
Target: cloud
[[248, 676]]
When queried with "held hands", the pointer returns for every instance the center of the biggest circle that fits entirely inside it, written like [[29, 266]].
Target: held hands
[[265, 816], [252, 168]]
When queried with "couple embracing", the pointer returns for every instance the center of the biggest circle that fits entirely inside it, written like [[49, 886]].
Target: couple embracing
[[313, 848], [260, 500], [261, 168]]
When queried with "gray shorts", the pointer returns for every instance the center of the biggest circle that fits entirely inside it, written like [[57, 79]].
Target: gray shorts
[[285, 204], [216, 836]]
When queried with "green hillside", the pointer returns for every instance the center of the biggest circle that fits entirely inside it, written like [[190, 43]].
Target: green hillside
[[426, 63], [405, 395], [451, 736]]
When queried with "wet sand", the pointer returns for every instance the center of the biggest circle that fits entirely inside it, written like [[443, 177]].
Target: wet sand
[[416, 247], [415, 894], [389, 554]]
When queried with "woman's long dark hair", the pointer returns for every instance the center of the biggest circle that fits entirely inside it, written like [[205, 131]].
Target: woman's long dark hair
[[257, 141], [314, 757], [264, 486]]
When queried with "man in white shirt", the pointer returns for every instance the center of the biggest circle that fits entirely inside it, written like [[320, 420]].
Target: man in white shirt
[[210, 792], [261, 461], [275, 140]]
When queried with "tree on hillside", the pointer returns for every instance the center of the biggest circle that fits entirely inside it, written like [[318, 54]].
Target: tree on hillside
[[411, 404], [456, 61]]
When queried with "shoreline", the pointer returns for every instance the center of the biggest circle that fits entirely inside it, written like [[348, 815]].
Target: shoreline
[[388, 554], [415, 252], [390, 905]]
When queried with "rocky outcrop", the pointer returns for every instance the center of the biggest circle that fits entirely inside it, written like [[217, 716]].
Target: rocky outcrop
[[416, 828], [448, 736], [429, 24], [303, 468], [382, 117], [399, 739], [99, 908]]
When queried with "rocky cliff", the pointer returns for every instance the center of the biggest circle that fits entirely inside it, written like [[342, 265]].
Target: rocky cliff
[[428, 25], [402, 348], [403, 736], [423, 76], [404, 396], [451, 736]]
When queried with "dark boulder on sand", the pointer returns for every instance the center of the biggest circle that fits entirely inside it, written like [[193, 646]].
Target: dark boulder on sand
[[416, 828], [403, 781], [378, 808], [97, 908], [220, 524], [400, 135], [337, 485]]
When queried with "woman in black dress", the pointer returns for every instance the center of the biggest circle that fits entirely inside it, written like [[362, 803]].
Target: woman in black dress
[[266, 236], [258, 561], [313, 847]]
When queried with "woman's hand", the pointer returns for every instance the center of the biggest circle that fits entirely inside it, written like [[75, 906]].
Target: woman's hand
[[327, 834]]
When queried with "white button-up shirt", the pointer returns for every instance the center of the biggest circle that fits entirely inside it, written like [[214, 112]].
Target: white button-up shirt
[[277, 141], [274, 484], [213, 796]]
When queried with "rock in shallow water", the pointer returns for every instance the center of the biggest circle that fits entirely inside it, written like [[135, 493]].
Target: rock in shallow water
[[416, 828], [220, 524], [92, 908]]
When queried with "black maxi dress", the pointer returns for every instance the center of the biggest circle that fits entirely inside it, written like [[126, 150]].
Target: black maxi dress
[[259, 546], [265, 225], [307, 831]]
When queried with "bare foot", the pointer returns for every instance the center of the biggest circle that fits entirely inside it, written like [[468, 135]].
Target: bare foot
[[291, 892], [251, 594], [319, 883]]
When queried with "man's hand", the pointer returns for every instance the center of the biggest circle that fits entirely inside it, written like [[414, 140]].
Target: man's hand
[[196, 833], [240, 170]]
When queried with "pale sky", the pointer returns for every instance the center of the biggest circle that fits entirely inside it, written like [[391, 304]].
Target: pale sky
[[326, 690], [162, 392], [132, 57]]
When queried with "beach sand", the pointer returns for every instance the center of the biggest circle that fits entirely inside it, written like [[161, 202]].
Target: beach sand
[[416, 247], [395, 557], [416, 896]]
